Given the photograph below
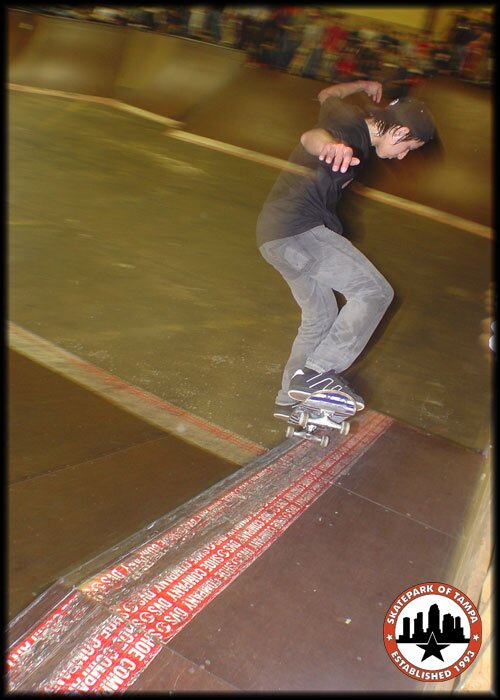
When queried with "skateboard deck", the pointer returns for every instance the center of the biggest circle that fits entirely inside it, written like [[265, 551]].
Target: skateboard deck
[[317, 416]]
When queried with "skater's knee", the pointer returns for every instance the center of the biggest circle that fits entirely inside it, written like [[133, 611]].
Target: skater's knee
[[381, 292], [376, 296], [386, 294]]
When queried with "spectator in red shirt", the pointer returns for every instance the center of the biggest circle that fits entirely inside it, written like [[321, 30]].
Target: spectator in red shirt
[[334, 41]]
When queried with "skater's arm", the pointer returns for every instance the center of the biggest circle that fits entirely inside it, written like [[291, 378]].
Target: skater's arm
[[319, 142], [372, 88]]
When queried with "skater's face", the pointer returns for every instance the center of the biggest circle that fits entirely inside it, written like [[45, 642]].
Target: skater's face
[[391, 146]]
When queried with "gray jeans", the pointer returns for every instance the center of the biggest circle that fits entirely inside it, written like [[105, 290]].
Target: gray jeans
[[313, 264]]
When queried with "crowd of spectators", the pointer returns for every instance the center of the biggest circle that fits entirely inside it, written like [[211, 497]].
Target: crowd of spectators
[[319, 43]]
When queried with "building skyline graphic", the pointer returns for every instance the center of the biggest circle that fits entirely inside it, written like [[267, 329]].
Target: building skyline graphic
[[450, 631]]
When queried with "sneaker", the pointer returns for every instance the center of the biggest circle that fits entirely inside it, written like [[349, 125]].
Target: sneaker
[[307, 381], [284, 411]]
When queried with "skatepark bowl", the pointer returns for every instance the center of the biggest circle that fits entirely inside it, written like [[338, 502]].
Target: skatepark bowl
[[163, 534]]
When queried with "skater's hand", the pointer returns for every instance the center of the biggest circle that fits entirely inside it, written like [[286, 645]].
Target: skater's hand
[[339, 155], [373, 89]]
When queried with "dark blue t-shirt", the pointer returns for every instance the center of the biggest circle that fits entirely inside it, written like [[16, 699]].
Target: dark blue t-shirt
[[297, 202]]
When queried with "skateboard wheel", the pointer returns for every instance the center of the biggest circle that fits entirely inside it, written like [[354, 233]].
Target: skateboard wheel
[[344, 428], [290, 431], [325, 441], [303, 417]]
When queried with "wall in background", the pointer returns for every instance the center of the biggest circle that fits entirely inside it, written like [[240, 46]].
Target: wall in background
[[410, 19]]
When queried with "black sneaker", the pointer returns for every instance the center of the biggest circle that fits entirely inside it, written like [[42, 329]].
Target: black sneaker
[[283, 411], [306, 382]]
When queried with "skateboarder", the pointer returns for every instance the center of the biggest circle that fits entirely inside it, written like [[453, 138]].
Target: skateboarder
[[300, 234]]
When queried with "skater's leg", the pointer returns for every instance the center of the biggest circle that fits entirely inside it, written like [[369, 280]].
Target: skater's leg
[[319, 311], [367, 293], [317, 302]]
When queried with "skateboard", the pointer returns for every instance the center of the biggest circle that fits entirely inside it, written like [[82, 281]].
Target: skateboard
[[319, 414]]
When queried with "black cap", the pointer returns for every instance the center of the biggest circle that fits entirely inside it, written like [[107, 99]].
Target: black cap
[[410, 112]]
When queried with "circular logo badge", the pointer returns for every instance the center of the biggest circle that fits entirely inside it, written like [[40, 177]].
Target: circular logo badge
[[432, 632]]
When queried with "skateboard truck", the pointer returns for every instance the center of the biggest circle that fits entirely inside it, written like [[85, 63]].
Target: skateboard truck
[[319, 414]]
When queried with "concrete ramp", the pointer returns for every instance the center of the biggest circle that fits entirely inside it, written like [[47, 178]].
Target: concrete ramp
[[20, 27], [169, 75], [66, 54], [162, 74], [263, 110]]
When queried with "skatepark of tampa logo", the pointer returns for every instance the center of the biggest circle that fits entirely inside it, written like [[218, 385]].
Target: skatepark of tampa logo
[[432, 632]]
